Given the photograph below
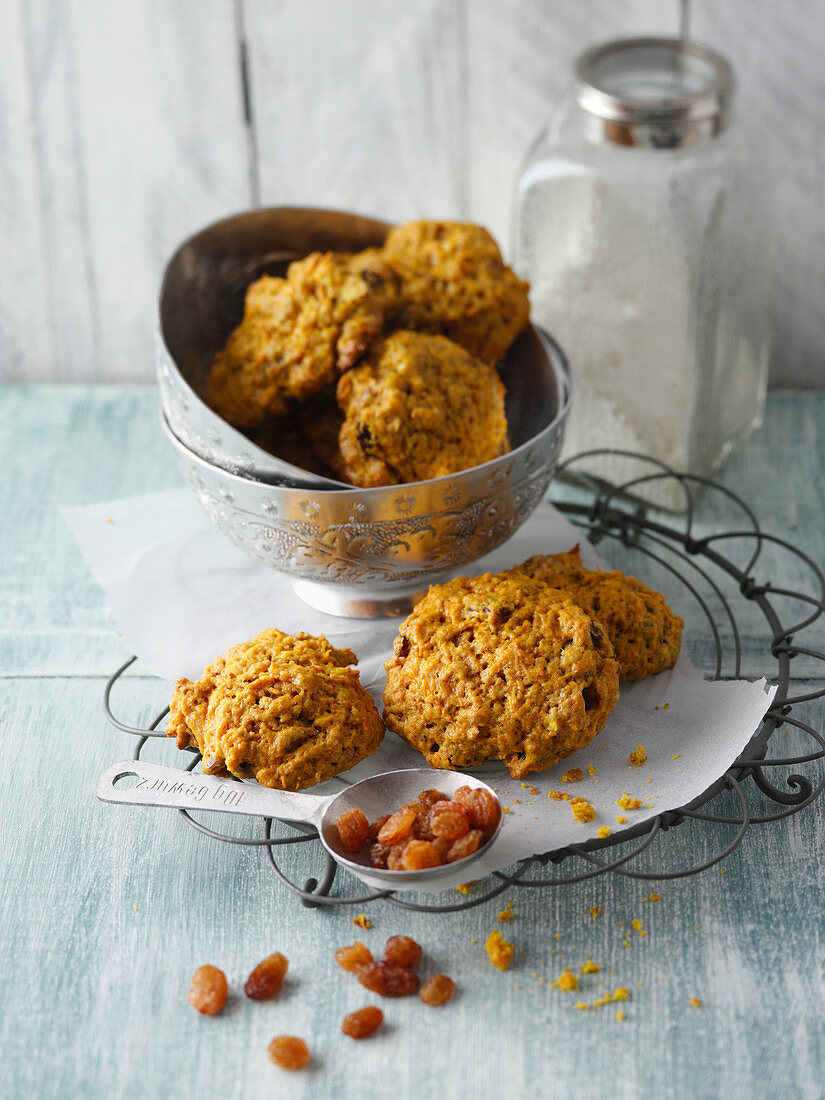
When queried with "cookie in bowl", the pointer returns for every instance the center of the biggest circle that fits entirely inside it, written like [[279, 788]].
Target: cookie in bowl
[[454, 281], [287, 710], [299, 333], [645, 633], [499, 667], [419, 407]]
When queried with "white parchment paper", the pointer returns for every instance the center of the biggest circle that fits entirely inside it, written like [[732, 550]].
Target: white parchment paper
[[181, 593]]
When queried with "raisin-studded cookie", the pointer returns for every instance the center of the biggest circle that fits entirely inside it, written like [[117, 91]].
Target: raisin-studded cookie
[[455, 282], [299, 333], [499, 667], [645, 633], [419, 406], [284, 709]]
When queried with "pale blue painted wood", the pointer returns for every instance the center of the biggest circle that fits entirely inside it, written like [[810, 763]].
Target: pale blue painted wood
[[105, 911]]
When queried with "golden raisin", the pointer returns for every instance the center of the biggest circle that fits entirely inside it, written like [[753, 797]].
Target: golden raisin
[[396, 855], [465, 846], [441, 846], [437, 990], [360, 1024], [388, 980], [353, 957], [448, 806], [288, 1052], [267, 978], [208, 990], [375, 827], [429, 798], [482, 808], [402, 951], [353, 829], [397, 826], [379, 854], [419, 855], [450, 825]]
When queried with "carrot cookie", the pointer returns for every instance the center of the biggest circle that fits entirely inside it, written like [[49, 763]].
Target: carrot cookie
[[299, 333], [455, 282], [645, 633], [418, 407], [284, 709], [499, 667]]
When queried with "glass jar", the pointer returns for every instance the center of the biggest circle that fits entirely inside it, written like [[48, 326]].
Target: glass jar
[[637, 224]]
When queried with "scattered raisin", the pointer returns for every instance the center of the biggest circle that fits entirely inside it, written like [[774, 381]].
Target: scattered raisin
[[353, 957], [267, 978], [437, 990], [397, 826], [353, 829], [483, 809], [208, 990], [360, 1024], [465, 846], [450, 825], [288, 1052], [418, 855], [402, 951], [388, 980]]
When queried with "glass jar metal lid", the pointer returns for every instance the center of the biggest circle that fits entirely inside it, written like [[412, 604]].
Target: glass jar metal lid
[[656, 93]]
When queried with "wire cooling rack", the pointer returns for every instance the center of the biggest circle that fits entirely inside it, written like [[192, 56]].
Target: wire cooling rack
[[717, 574]]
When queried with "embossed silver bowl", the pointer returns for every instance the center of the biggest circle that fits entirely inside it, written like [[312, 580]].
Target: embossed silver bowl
[[369, 552], [349, 551]]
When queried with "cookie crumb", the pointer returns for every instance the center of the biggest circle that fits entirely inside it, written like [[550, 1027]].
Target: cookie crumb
[[505, 915], [499, 950], [621, 820], [362, 921], [590, 968], [558, 796], [638, 756], [595, 910], [466, 887], [572, 776], [626, 802], [591, 770], [619, 1015], [566, 981], [604, 832], [695, 1002], [582, 810]]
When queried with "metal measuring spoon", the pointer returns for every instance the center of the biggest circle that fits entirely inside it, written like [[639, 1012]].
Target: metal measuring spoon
[[376, 796]]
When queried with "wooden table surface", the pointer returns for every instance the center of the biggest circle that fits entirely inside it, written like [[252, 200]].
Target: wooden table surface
[[105, 913]]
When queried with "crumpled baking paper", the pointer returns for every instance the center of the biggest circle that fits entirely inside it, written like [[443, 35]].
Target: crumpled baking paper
[[181, 593]]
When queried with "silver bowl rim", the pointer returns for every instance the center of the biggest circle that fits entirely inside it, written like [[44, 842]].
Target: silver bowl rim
[[564, 389]]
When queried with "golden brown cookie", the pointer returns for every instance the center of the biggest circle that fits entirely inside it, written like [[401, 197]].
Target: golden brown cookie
[[299, 333], [455, 282], [418, 407], [499, 667], [284, 709], [645, 633]]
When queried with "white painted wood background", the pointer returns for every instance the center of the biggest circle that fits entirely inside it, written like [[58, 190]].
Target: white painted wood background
[[124, 127]]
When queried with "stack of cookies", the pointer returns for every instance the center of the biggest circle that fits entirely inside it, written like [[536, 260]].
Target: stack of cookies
[[378, 367], [523, 666]]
